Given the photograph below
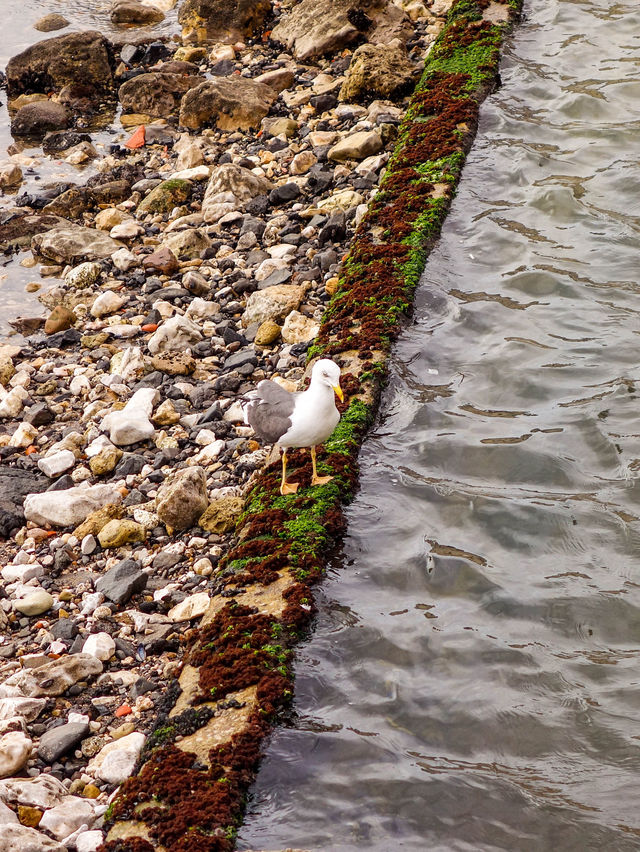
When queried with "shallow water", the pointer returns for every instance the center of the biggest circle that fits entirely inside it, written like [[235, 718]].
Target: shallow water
[[472, 682], [19, 17]]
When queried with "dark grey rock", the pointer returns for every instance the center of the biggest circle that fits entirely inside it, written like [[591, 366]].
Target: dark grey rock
[[122, 581], [58, 741]]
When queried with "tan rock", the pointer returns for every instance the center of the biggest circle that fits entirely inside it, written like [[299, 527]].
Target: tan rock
[[268, 333], [166, 414], [59, 319], [298, 328], [222, 514], [97, 520], [119, 532], [273, 303], [357, 146], [229, 103], [378, 71]]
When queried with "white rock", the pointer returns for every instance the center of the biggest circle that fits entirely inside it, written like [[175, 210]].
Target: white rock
[[69, 507], [174, 335], [83, 275], [115, 761], [79, 385], [24, 435], [12, 402], [132, 423], [21, 838], [298, 328], [97, 446], [88, 545], [19, 705], [201, 309], [91, 602], [192, 607], [88, 841], [44, 791], [208, 453], [99, 645], [268, 266], [22, 573], [194, 173], [128, 230], [107, 303], [7, 815], [123, 259], [282, 250], [15, 750], [68, 816], [57, 463]]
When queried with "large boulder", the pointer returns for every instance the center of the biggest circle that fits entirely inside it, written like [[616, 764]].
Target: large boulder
[[156, 93], [15, 484], [182, 498], [230, 187], [39, 118], [318, 27], [222, 20], [55, 62], [19, 226], [273, 303], [229, 103], [69, 507], [73, 244], [378, 71]]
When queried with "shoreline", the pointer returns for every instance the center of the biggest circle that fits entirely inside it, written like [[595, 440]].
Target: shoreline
[[254, 570]]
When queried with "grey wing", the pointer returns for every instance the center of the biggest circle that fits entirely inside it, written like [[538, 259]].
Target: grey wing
[[270, 410]]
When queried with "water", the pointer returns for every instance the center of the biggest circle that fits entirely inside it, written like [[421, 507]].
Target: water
[[19, 34], [473, 680]]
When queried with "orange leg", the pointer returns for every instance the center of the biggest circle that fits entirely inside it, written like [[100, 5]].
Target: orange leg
[[287, 487], [315, 479]]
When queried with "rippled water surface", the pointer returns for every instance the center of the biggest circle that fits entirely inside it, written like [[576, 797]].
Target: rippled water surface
[[473, 682]]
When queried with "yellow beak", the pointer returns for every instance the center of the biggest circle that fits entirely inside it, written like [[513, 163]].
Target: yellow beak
[[339, 393]]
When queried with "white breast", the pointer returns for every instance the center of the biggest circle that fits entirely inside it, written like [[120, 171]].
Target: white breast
[[314, 418]]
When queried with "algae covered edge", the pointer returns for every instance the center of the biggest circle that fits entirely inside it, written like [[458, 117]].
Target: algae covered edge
[[189, 792]]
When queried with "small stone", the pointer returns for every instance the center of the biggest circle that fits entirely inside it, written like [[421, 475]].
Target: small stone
[[267, 334], [117, 533], [99, 645], [88, 545], [24, 435], [115, 762], [69, 507], [182, 498], [10, 175], [357, 146], [55, 677], [29, 816], [89, 841], [167, 195], [35, 603], [194, 606], [122, 581], [57, 463], [174, 335], [131, 424], [50, 23], [15, 750], [302, 162], [107, 303], [298, 328], [58, 741], [68, 816], [166, 415], [273, 303]]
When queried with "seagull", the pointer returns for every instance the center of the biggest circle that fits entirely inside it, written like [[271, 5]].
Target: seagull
[[303, 419]]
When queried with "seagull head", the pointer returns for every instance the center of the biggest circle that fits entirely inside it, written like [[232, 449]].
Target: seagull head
[[326, 372]]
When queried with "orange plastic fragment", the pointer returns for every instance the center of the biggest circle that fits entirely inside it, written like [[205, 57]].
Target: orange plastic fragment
[[123, 710], [137, 140], [31, 449], [149, 326]]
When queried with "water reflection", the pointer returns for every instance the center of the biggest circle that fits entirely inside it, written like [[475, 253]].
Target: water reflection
[[493, 638]]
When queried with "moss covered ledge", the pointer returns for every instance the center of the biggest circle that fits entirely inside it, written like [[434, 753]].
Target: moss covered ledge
[[190, 789]]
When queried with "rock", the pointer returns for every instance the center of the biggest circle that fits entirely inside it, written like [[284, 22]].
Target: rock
[[167, 195], [135, 14], [99, 645], [273, 303], [21, 837], [221, 514], [281, 127], [132, 424], [110, 217], [161, 260], [166, 415], [10, 175], [83, 275], [56, 677], [58, 741], [230, 187], [221, 20], [39, 118], [59, 319], [156, 93], [116, 760], [188, 244], [68, 816], [267, 333], [279, 79], [378, 71], [29, 816], [24, 435], [50, 23], [73, 243], [7, 816], [174, 335], [67, 508], [105, 460], [194, 606], [51, 64], [122, 581], [15, 750], [128, 230], [174, 363], [123, 259], [34, 603], [298, 328], [228, 103], [182, 498], [302, 162], [117, 533], [357, 146], [89, 841], [94, 522], [43, 791], [318, 27], [11, 403], [107, 303], [344, 199], [25, 708], [57, 463]]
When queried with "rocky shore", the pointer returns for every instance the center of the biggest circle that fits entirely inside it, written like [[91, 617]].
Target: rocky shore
[[149, 571]]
